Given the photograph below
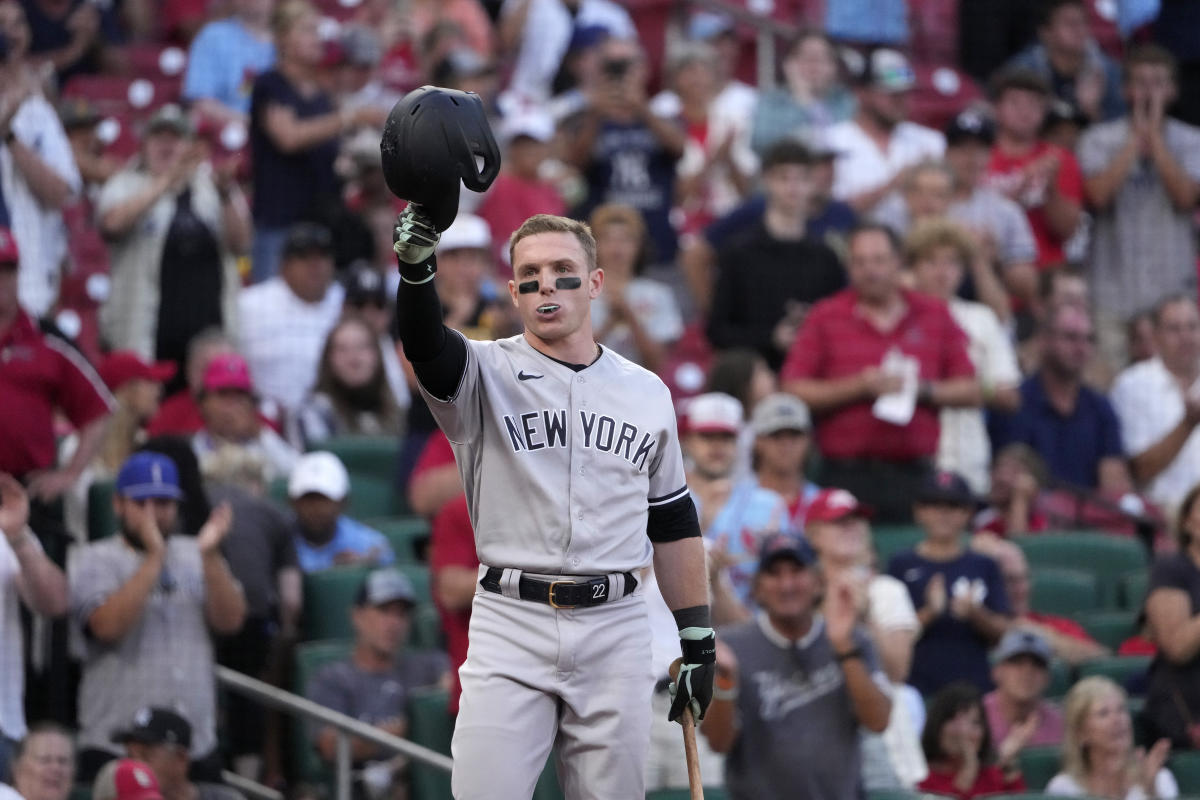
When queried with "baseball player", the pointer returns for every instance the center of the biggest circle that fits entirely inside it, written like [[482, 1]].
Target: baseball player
[[574, 481]]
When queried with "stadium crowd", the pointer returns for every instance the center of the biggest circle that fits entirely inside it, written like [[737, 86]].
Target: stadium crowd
[[926, 300]]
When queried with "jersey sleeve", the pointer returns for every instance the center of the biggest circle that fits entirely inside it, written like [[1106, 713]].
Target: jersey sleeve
[[667, 479], [460, 416]]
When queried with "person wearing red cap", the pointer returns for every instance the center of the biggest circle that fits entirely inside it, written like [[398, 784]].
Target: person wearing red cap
[[126, 779]]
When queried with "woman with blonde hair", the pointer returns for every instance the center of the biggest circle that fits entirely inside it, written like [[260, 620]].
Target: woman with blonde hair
[[1099, 756]]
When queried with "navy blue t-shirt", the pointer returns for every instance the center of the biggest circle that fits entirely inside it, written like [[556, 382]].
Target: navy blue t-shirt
[[951, 649], [1071, 446], [836, 218], [630, 166], [289, 187]]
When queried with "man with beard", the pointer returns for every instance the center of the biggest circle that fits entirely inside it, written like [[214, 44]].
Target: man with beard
[[143, 604]]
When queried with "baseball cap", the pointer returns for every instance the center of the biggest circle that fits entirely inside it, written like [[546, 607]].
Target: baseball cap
[[227, 371], [307, 238], [364, 285], [1018, 643], [785, 545], [467, 231], [170, 118], [126, 779], [945, 487], [77, 112], [831, 505], [889, 71], [122, 366], [714, 412], [970, 126], [383, 586], [319, 473], [534, 124], [156, 726], [780, 412], [9, 254], [147, 475]]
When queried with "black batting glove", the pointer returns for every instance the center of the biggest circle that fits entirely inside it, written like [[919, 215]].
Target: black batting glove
[[693, 686], [414, 239]]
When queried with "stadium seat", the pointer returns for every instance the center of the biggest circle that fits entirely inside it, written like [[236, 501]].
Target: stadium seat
[[101, 521], [419, 575], [1061, 679], [547, 786], [328, 598], [309, 658], [430, 725], [1058, 590], [426, 630], [717, 793], [371, 462], [409, 536], [1039, 765], [892, 539], [1133, 589], [1109, 628], [1119, 668], [1185, 766], [1107, 557]]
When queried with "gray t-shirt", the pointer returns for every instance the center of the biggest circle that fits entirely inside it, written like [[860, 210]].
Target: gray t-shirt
[[1143, 248], [258, 546], [166, 657], [799, 736]]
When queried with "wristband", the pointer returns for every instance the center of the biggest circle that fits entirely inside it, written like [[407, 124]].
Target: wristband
[[724, 683], [855, 653]]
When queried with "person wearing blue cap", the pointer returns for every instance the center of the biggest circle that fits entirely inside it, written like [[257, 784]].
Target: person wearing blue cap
[[798, 676], [143, 604]]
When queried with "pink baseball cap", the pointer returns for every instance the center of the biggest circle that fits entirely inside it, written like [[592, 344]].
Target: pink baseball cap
[[228, 371]]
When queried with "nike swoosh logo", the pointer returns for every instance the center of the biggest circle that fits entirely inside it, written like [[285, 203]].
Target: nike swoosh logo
[[524, 376]]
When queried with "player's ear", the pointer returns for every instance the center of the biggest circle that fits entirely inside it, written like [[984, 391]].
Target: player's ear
[[512, 292], [595, 282]]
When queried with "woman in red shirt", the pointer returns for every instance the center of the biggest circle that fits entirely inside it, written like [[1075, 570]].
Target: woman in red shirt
[[959, 750]]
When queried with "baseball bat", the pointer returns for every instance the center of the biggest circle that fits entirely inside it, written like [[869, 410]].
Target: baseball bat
[[695, 784]]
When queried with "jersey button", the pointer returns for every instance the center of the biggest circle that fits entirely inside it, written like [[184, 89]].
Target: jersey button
[[582, 379], [581, 470], [579, 515], [575, 562]]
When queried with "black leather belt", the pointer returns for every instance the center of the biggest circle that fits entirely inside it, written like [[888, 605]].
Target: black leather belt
[[560, 594]]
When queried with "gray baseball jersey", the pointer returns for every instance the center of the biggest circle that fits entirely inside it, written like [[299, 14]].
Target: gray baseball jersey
[[561, 467]]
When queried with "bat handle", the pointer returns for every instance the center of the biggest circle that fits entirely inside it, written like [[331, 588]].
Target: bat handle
[[693, 756]]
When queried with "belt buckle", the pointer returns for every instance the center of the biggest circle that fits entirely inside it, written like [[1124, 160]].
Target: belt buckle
[[550, 595]]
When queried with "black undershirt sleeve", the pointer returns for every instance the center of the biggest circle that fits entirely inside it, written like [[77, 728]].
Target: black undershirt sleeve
[[438, 355], [673, 521]]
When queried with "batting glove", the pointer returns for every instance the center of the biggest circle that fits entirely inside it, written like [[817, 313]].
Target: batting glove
[[693, 686], [414, 240]]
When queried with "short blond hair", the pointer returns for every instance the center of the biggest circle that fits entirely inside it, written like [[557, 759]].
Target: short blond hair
[[933, 234], [549, 223]]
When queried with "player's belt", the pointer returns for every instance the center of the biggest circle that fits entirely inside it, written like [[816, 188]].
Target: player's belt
[[578, 593]]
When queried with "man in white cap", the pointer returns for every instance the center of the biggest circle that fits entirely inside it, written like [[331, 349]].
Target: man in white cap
[[318, 488]]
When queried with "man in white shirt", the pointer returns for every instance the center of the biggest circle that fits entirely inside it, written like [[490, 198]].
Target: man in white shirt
[[284, 320], [879, 143], [1158, 404]]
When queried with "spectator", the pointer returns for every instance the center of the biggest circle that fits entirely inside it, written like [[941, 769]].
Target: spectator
[[227, 406], [41, 376], [520, 190], [939, 254], [859, 346], [811, 99], [1143, 179], [1042, 178], [161, 739], [126, 779], [794, 686], [743, 375], [1139, 337], [734, 517], [365, 229], [44, 763], [144, 603], [1068, 640], [717, 167], [771, 274], [286, 320], [1016, 481], [375, 684], [959, 748], [781, 425], [434, 480], [174, 225], [367, 295], [539, 32], [878, 142], [79, 120], [224, 60], [1072, 427], [1017, 706], [626, 152], [39, 172], [294, 129], [836, 525], [27, 577], [467, 286], [1158, 405], [959, 595], [635, 316], [324, 537], [359, 83], [1068, 59], [454, 574], [351, 396], [1173, 612], [1099, 756], [71, 35], [735, 99]]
